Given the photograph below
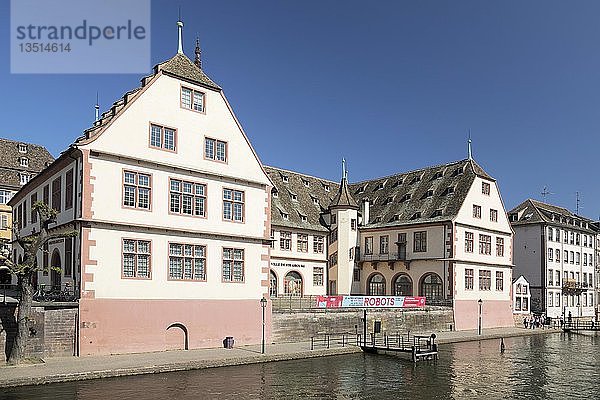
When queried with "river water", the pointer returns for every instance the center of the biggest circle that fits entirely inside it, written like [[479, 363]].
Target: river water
[[556, 366]]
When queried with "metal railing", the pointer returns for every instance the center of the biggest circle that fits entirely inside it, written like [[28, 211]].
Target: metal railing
[[329, 340], [401, 256]]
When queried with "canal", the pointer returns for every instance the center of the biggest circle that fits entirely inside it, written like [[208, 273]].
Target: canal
[[556, 366]]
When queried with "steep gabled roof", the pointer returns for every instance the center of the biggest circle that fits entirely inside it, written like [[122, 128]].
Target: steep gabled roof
[[431, 194], [299, 195], [10, 167], [536, 212]]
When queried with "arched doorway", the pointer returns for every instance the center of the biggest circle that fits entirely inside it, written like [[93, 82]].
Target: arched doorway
[[272, 284], [432, 287], [177, 337], [403, 285], [293, 284], [376, 285], [55, 271]]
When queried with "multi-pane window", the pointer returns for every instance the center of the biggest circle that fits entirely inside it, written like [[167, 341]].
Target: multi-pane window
[[192, 99], [56, 194], [318, 274], [557, 254], [333, 259], [550, 233], [485, 279], [485, 188], [468, 279], [550, 254], [68, 190], [233, 205], [318, 244], [233, 265], [46, 195], [5, 196], [500, 247], [469, 242], [3, 221], [577, 258], [188, 198], [485, 244], [162, 137], [566, 256], [215, 149], [353, 224], [550, 277], [68, 256], [369, 245], [499, 281], [302, 243], [24, 162], [572, 258], [557, 277], [420, 241], [187, 262], [136, 258], [24, 178], [384, 244], [476, 211], [493, 215], [136, 190], [285, 240]]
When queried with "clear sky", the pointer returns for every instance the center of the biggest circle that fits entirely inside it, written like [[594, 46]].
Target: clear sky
[[389, 85]]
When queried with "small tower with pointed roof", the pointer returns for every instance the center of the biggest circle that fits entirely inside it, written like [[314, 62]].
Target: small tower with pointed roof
[[343, 238]]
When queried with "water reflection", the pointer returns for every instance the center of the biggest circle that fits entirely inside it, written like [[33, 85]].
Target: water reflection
[[546, 366]]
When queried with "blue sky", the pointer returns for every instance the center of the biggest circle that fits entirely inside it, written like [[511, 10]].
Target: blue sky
[[389, 85]]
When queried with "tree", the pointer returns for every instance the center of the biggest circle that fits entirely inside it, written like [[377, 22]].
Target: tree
[[27, 269]]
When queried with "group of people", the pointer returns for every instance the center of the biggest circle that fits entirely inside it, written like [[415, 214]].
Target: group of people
[[535, 321]]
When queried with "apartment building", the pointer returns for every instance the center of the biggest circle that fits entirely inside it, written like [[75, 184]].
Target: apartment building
[[555, 250]]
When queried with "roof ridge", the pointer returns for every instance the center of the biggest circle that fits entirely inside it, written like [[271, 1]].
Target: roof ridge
[[409, 172]]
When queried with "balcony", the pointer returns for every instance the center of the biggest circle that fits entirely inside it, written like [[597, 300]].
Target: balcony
[[389, 258], [571, 286]]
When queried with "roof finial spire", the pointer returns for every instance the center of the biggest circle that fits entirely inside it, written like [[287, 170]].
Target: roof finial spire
[[198, 60], [344, 170], [469, 146], [180, 34], [97, 108]]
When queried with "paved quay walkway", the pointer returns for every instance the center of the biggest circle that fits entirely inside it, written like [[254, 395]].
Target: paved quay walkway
[[64, 369]]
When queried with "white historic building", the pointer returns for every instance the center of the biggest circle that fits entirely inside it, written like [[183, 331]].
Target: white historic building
[[555, 250], [439, 232], [172, 207]]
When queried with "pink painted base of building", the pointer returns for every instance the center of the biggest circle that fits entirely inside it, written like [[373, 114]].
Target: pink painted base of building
[[495, 314], [113, 326]]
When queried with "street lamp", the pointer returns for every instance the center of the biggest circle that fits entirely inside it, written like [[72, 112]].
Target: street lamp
[[479, 324], [263, 304]]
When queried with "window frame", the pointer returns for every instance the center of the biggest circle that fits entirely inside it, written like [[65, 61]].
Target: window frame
[[476, 211], [469, 279], [193, 194], [318, 244], [283, 239], [191, 108], [162, 137], [233, 202], [316, 274], [56, 196], [233, 259], [499, 246], [485, 247], [485, 280], [302, 238], [183, 257], [421, 241], [469, 242], [215, 142], [136, 253], [69, 189], [136, 186]]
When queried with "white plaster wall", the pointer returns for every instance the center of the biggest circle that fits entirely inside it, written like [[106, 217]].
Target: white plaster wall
[[160, 104], [435, 241], [107, 282], [282, 266], [476, 293], [417, 270], [293, 253]]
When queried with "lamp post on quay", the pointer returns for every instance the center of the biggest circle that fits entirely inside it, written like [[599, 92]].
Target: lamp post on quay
[[480, 303], [263, 304]]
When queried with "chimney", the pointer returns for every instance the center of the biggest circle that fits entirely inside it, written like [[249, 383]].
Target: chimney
[[365, 211]]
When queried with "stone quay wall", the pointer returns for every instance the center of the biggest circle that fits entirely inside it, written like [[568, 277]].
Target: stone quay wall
[[51, 330], [300, 325]]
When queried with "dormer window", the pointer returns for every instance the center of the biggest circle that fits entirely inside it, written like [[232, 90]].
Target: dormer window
[[303, 218], [361, 189], [397, 183], [436, 213], [388, 200], [406, 197], [427, 194], [275, 193], [416, 215], [396, 217], [315, 200], [285, 178], [284, 215], [326, 187], [22, 148], [305, 182], [377, 219], [24, 162], [294, 196], [24, 178], [438, 175], [380, 186], [449, 190], [415, 179], [458, 171]]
